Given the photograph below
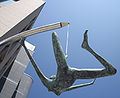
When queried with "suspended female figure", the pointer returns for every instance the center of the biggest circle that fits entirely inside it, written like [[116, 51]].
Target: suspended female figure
[[66, 75]]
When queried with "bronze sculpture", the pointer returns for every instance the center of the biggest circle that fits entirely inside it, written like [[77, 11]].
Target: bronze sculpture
[[66, 75]]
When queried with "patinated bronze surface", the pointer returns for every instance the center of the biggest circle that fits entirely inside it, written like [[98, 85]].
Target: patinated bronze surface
[[66, 75]]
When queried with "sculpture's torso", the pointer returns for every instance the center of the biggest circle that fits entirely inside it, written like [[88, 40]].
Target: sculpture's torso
[[64, 80]]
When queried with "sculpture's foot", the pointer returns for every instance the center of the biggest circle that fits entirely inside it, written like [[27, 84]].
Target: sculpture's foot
[[85, 41]]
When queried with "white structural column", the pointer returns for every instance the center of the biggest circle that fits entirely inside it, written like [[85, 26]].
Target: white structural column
[[34, 31]]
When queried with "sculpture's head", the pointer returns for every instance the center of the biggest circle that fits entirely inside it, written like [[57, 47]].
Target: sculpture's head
[[53, 77], [57, 93]]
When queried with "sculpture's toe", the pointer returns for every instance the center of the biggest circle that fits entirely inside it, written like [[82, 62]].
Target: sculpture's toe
[[85, 41]]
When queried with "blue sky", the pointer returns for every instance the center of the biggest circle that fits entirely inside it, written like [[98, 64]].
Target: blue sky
[[102, 19]]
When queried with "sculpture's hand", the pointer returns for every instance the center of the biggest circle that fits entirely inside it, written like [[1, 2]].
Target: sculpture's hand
[[93, 81], [66, 56]]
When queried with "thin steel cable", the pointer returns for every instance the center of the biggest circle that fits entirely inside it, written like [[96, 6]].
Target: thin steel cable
[[67, 40]]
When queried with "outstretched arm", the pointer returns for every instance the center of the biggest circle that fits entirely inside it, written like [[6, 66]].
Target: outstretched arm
[[39, 73], [78, 86]]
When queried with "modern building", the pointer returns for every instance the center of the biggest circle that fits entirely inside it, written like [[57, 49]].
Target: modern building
[[15, 18]]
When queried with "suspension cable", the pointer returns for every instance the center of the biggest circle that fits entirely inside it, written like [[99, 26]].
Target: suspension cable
[[67, 41]]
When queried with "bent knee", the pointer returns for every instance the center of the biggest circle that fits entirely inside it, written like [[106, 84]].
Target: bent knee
[[112, 71], [115, 71]]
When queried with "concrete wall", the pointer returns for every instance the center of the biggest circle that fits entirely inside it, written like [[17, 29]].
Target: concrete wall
[[14, 82], [15, 18]]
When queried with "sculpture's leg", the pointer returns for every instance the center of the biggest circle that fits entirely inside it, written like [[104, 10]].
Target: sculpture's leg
[[58, 51], [59, 55], [94, 73]]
